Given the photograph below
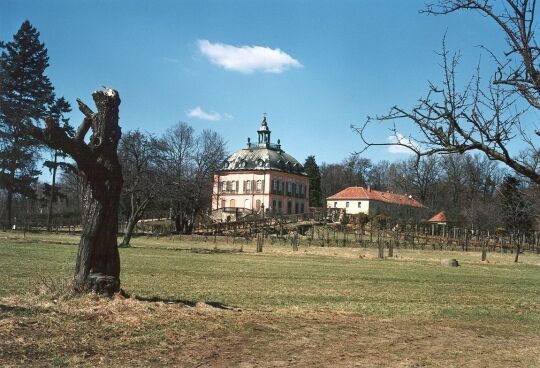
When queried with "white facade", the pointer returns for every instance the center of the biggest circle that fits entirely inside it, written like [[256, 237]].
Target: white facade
[[351, 206]]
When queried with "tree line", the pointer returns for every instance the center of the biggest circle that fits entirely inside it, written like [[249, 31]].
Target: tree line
[[471, 189]]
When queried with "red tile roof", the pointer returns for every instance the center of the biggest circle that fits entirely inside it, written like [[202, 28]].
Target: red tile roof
[[361, 193], [440, 217]]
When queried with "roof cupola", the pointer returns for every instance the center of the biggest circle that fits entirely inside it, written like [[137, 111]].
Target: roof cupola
[[264, 133]]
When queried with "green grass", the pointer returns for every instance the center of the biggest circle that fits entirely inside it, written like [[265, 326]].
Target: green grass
[[412, 284]]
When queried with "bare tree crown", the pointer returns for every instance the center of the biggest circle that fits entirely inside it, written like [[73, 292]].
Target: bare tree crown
[[454, 119]]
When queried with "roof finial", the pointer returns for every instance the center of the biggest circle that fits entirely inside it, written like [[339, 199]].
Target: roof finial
[[264, 119]]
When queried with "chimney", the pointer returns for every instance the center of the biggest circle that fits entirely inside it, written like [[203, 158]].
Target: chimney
[[369, 188]]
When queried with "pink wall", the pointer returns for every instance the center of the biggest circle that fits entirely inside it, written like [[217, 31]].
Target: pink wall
[[248, 199]]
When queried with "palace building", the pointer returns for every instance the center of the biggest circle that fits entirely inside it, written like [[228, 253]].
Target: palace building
[[261, 178]]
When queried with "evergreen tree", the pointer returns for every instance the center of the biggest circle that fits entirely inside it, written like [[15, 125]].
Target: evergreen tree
[[516, 209], [25, 95], [312, 170]]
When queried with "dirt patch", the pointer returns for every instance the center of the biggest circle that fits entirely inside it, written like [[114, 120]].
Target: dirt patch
[[128, 332]]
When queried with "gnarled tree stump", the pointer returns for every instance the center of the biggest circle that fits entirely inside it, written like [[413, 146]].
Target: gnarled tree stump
[[98, 262]]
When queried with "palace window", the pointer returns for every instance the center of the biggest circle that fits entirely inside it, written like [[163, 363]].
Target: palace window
[[259, 185], [223, 186], [347, 204], [359, 204]]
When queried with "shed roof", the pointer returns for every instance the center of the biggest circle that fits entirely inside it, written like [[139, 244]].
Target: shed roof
[[440, 217]]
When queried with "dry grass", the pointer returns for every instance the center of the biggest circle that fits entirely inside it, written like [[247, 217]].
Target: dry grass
[[124, 332]]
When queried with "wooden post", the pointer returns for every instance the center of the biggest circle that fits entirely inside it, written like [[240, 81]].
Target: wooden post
[[295, 241], [380, 246], [391, 249], [260, 242], [484, 250]]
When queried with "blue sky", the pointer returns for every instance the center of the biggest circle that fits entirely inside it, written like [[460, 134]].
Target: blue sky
[[171, 61]]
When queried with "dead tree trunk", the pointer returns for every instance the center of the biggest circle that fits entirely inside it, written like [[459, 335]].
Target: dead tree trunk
[[98, 262]]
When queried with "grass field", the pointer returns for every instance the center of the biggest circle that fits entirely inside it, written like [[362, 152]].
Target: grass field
[[217, 306]]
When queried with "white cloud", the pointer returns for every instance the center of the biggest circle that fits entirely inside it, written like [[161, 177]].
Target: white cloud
[[199, 113], [247, 59], [399, 138]]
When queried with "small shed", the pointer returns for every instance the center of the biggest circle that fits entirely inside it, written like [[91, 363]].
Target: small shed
[[439, 219]]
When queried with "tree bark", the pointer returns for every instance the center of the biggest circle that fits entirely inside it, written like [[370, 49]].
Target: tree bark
[[9, 206], [98, 262]]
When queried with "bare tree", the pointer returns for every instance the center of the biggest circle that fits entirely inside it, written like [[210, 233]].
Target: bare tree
[[140, 156], [189, 164], [378, 175], [179, 142], [454, 119], [454, 178], [356, 170], [332, 179], [209, 153]]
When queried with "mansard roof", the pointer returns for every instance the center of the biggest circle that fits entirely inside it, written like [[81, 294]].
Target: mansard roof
[[263, 155]]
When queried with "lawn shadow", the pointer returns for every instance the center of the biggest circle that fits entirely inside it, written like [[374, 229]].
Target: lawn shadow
[[21, 311], [188, 303], [192, 250]]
